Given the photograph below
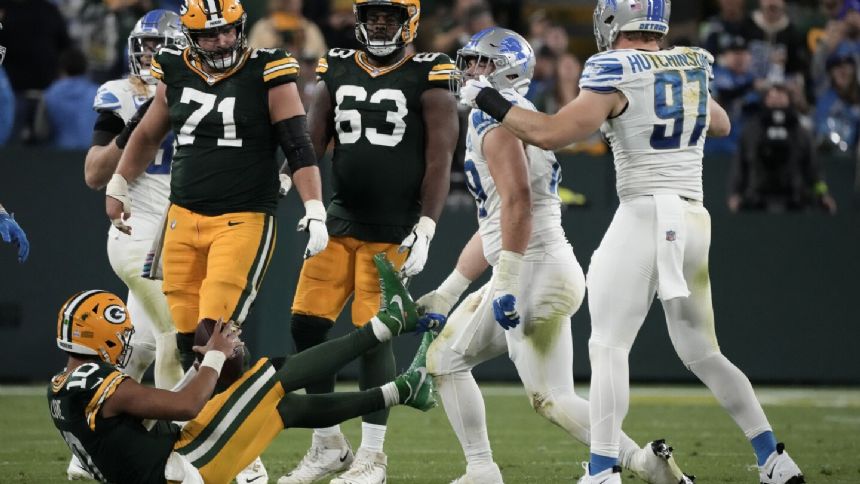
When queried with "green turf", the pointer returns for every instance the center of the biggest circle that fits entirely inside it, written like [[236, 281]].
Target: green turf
[[821, 428]]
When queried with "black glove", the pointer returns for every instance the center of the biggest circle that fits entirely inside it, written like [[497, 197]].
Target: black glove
[[124, 135]]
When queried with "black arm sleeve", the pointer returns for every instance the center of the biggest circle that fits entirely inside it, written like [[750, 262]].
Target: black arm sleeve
[[293, 137], [107, 126]]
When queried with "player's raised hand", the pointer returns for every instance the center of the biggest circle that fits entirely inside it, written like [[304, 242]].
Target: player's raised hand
[[314, 224], [470, 90], [418, 245], [506, 289], [12, 233], [118, 203]]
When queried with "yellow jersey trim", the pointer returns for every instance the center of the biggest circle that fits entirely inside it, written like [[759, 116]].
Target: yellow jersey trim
[[213, 78], [106, 389], [361, 60]]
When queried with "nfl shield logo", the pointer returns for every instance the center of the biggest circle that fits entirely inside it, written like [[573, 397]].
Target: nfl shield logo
[[670, 235]]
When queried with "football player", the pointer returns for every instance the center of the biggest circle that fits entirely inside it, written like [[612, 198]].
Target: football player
[[230, 107], [10, 231], [100, 411], [537, 283], [655, 108], [395, 128], [121, 104]]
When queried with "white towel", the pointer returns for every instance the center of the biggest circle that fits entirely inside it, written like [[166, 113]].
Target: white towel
[[671, 237]]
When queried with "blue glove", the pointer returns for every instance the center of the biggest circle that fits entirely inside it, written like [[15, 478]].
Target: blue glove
[[434, 322], [12, 233], [505, 311]]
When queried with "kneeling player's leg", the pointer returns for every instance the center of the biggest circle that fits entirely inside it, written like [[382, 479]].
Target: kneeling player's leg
[[184, 268], [691, 327], [470, 336]]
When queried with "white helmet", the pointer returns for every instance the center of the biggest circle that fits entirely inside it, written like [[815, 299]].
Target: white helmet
[[511, 55], [614, 16]]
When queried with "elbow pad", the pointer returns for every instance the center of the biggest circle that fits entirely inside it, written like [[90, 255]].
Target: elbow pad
[[292, 135]]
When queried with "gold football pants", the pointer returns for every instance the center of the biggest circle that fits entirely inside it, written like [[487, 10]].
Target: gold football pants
[[344, 268], [235, 426], [213, 265]]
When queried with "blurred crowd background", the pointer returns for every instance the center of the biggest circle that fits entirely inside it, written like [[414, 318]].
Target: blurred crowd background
[[787, 72]]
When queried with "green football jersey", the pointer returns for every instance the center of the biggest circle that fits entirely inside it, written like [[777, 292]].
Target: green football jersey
[[378, 164], [117, 449], [225, 144]]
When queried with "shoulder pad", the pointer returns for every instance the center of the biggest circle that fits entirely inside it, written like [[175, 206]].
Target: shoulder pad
[[602, 72], [107, 98]]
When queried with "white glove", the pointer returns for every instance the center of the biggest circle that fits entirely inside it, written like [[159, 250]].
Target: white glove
[[314, 224], [443, 299], [117, 188], [470, 90], [418, 245], [286, 185], [507, 289]]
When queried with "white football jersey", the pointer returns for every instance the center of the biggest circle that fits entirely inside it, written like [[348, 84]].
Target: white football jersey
[[149, 192], [544, 177], [658, 140]]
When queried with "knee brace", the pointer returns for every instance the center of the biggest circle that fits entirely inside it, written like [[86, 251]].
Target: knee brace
[[309, 331]]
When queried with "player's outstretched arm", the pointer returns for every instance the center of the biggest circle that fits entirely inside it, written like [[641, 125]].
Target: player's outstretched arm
[[720, 124], [110, 137], [145, 402]]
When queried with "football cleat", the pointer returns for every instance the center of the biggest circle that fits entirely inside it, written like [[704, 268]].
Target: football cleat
[[480, 474], [255, 473], [654, 463], [327, 456], [76, 472], [416, 389], [369, 467], [399, 312], [608, 476], [780, 468]]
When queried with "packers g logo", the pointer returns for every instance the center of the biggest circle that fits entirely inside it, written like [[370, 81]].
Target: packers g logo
[[115, 314]]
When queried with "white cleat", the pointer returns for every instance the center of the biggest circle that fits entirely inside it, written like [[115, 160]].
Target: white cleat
[[780, 469], [608, 476], [76, 472], [480, 474], [654, 463], [327, 456], [255, 473], [369, 467]]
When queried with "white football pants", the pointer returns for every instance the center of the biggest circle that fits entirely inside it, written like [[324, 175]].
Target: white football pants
[[154, 335], [552, 287], [622, 283]]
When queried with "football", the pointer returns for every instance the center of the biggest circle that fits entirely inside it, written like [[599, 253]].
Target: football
[[233, 367]]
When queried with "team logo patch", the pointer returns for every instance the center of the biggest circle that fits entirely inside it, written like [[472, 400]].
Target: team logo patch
[[115, 314], [670, 235]]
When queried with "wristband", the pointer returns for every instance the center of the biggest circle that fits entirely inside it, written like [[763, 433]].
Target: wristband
[[507, 271], [315, 210], [426, 226], [493, 103], [214, 359]]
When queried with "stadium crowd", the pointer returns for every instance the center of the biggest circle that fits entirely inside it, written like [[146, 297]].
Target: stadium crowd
[[787, 72]]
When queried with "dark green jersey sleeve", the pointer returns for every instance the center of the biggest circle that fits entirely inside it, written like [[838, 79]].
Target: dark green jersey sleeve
[[441, 71], [279, 67], [117, 449]]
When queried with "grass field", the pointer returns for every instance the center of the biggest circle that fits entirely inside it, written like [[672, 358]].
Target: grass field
[[821, 428]]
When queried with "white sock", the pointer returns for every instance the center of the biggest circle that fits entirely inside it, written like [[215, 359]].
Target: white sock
[[609, 397], [390, 394], [464, 406], [372, 436], [734, 392], [380, 330], [168, 370], [327, 431], [142, 355]]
